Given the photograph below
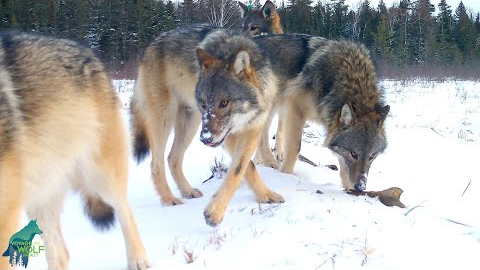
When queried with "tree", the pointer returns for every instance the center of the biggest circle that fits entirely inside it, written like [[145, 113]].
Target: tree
[[222, 12], [464, 33], [299, 18], [382, 38]]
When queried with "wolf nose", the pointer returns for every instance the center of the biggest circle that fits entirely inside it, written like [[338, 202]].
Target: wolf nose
[[362, 182], [206, 137], [360, 186]]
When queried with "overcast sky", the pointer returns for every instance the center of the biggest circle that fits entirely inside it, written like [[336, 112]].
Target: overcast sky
[[473, 5]]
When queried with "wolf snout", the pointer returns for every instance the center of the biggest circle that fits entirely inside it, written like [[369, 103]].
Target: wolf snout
[[206, 137], [361, 185]]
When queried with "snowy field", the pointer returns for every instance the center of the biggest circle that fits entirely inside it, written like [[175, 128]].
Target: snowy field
[[433, 155]]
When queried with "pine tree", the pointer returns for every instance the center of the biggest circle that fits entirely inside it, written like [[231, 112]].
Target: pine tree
[[464, 33], [382, 38]]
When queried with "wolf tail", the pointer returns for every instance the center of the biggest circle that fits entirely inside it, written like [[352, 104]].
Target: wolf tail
[[141, 148], [100, 213]]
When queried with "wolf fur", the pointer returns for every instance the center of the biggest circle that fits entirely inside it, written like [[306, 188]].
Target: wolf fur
[[164, 98], [60, 129], [338, 88], [235, 93]]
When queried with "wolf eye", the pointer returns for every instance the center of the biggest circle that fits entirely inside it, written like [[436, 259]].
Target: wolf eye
[[253, 28], [223, 103], [372, 157], [202, 104], [354, 155]]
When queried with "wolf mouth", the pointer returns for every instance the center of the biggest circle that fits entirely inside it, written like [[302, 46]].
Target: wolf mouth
[[219, 142]]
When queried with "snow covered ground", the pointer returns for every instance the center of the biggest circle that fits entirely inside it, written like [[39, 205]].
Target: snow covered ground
[[433, 155]]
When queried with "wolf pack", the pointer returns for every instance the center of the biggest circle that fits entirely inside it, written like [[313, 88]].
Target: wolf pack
[[61, 126]]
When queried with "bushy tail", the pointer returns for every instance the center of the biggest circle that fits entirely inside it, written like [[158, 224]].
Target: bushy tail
[[100, 213], [141, 148]]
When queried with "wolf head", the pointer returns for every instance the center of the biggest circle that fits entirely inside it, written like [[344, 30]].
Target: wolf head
[[260, 21], [226, 94], [32, 227], [359, 140]]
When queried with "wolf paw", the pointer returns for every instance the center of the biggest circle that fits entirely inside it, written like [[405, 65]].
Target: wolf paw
[[213, 214], [171, 201], [257, 160], [192, 193], [139, 264], [272, 164], [278, 154], [271, 197]]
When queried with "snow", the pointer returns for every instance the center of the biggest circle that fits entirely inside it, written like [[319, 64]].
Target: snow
[[433, 132]]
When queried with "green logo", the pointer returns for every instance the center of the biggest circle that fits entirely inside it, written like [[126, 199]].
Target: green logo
[[21, 247]]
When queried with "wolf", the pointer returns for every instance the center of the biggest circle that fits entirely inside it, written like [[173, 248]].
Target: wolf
[[337, 87], [164, 97], [60, 129], [234, 94], [20, 243], [260, 21]]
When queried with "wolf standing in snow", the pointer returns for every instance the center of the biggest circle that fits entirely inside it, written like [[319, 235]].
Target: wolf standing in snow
[[164, 97], [235, 95], [337, 87], [60, 129]]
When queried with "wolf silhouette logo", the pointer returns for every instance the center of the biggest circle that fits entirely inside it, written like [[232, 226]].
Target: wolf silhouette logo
[[20, 244]]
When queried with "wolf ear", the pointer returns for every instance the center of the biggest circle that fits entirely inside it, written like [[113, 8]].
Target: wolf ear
[[206, 60], [346, 116], [269, 10], [243, 9], [383, 112], [242, 62]]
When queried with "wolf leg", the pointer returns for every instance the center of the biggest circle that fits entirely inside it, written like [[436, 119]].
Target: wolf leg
[[11, 201], [160, 125], [47, 215], [186, 126], [280, 137], [110, 169], [244, 143], [294, 121], [263, 154], [261, 191]]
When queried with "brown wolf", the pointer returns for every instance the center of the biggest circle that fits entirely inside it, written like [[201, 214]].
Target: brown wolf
[[235, 93], [60, 129], [164, 98]]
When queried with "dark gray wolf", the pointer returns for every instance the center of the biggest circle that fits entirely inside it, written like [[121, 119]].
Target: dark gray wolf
[[334, 84], [60, 129]]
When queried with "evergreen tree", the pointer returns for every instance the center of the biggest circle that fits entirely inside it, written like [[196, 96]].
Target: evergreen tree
[[464, 33]]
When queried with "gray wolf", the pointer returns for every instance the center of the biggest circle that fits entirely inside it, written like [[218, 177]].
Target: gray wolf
[[260, 21], [164, 98], [60, 129], [235, 94], [336, 87]]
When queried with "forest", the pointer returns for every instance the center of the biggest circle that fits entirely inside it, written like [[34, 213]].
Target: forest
[[408, 38]]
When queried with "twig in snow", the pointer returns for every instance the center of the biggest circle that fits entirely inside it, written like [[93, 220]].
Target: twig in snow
[[416, 206], [459, 223], [188, 254], [218, 169], [308, 161], [436, 131], [330, 258], [467, 187]]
